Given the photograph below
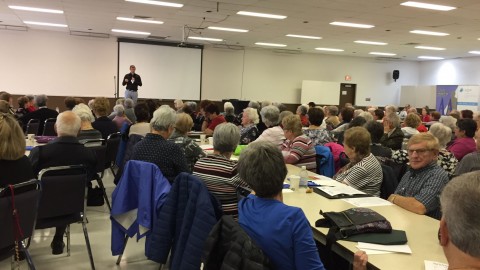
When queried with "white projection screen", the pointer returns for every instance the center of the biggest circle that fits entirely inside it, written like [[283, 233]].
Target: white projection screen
[[167, 72]]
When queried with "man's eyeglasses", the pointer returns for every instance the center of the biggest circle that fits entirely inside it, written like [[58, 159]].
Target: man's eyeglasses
[[418, 151]]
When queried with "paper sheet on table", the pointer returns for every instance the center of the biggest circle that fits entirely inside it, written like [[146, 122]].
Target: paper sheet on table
[[206, 146], [394, 248], [341, 189], [327, 182], [431, 265], [375, 252], [368, 202], [286, 190]]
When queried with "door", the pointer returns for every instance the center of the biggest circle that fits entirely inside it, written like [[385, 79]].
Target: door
[[347, 94]]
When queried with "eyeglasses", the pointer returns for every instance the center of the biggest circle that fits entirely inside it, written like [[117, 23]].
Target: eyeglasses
[[418, 151]]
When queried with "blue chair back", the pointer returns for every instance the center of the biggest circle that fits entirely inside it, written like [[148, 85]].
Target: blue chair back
[[324, 158]]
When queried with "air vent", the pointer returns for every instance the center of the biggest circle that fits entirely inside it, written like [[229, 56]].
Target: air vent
[[142, 17], [89, 34], [284, 51], [227, 46], [386, 59], [157, 37], [412, 44], [13, 27]]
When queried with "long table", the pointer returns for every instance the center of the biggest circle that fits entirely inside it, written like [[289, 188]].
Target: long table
[[421, 230]]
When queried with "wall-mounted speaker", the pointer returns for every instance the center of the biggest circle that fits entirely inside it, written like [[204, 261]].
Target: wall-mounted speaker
[[396, 75]]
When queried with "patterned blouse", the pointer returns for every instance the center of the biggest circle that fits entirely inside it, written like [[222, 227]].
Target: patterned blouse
[[318, 136], [300, 152], [192, 151], [446, 160], [249, 134]]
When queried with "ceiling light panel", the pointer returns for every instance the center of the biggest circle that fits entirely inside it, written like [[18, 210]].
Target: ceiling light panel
[[262, 15], [430, 48], [45, 24], [356, 25], [427, 6], [474, 52], [206, 38], [227, 29], [131, 32], [157, 3], [34, 9], [138, 20], [302, 36], [270, 44], [329, 49], [429, 33], [431, 57], [370, 42], [382, 53]]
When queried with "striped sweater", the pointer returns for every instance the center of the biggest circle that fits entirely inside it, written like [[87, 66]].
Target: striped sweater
[[221, 178], [300, 152]]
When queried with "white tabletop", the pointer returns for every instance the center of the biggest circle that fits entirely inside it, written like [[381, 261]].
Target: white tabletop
[[421, 230]]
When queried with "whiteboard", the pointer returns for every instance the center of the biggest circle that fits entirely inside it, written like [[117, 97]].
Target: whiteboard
[[320, 92], [167, 72], [418, 95]]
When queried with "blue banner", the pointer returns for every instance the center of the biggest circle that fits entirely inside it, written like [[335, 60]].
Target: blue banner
[[446, 99]]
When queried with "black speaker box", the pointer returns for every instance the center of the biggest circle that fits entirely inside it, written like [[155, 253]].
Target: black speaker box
[[396, 75]]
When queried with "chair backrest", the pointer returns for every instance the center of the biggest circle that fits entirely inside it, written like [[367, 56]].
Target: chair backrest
[[63, 191], [100, 152], [113, 141], [26, 197], [49, 127], [389, 182], [32, 126], [93, 142], [324, 158]]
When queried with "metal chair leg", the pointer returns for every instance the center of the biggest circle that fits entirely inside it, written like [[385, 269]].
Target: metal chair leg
[[28, 258], [89, 249], [67, 232], [113, 171], [124, 246], [100, 183]]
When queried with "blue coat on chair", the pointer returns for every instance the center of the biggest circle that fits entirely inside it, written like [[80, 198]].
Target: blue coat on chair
[[183, 224], [141, 192], [325, 164]]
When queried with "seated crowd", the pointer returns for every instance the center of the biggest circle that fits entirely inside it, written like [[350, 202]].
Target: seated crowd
[[424, 144]]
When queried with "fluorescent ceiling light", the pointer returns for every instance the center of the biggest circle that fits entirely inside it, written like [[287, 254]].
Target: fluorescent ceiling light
[[131, 32], [270, 44], [157, 3], [429, 48], [45, 24], [370, 42], [302, 36], [206, 38], [329, 49], [474, 52], [228, 29], [427, 6], [138, 20], [430, 33], [382, 53], [431, 57], [357, 25], [45, 10], [263, 15]]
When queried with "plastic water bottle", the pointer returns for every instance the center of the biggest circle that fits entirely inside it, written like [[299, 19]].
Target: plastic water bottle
[[303, 177]]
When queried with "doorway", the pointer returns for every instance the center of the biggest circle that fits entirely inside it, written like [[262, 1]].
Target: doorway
[[347, 94]]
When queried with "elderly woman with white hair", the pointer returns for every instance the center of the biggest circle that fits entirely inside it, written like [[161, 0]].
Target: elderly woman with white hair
[[87, 132], [120, 118], [218, 172], [249, 131], [229, 112], [393, 135], [302, 112], [273, 133], [155, 147], [128, 104]]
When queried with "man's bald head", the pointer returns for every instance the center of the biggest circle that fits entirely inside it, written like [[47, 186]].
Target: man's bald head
[[68, 124]]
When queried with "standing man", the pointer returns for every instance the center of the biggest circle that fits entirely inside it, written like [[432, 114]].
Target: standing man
[[133, 81]]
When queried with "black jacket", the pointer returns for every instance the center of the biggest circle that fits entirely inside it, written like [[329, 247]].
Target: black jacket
[[394, 141], [229, 247], [136, 83], [41, 114]]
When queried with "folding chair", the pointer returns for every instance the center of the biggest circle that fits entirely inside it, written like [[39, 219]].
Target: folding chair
[[32, 126], [25, 199], [113, 141], [49, 127], [100, 153], [63, 201]]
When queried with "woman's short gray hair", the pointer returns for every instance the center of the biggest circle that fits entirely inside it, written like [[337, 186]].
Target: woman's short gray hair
[[41, 100], [84, 112], [270, 115], [228, 108], [302, 109], [226, 137], [163, 118], [448, 121], [128, 103], [266, 103], [442, 133], [357, 112], [367, 116], [192, 105], [394, 119], [262, 167], [459, 200], [252, 115], [119, 110], [253, 104]]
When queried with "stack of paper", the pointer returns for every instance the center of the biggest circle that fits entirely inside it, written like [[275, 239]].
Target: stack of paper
[[342, 189], [383, 249], [368, 202], [327, 182]]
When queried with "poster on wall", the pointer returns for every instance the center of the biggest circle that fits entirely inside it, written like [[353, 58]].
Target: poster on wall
[[468, 97], [446, 98]]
